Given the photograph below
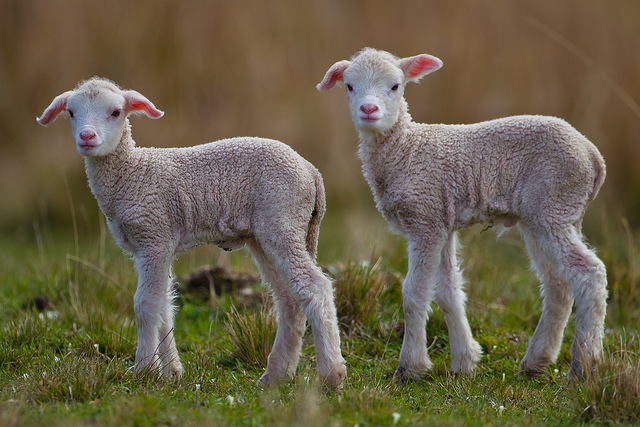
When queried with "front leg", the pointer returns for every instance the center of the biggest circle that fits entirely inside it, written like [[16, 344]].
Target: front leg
[[417, 295], [152, 304]]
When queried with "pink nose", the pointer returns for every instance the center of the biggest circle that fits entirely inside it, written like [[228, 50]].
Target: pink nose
[[369, 108], [87, 135]]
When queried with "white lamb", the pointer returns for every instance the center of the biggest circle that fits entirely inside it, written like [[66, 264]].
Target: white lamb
[[431, 180], [234, 192]]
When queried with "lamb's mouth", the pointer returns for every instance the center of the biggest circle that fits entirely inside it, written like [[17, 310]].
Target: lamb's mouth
[[369, 120], [88, 147]]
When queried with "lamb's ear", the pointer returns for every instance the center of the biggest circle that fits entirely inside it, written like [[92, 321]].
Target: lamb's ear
[[138, 103], [333, 76], [58, 105], [416, 67]]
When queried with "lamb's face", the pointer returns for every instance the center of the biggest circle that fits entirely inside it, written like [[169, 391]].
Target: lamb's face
[[375, 88], [97, 121], [98, 110], [375, 82]]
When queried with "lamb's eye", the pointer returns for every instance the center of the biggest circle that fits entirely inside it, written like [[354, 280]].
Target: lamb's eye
[[349, 88], [395, 87], [115, 113], [70, 113]]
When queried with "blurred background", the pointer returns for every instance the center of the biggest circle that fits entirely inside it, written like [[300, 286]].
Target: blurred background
[[249, 68]]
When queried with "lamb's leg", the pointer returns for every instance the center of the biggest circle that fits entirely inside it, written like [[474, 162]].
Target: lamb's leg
[[315, 292], [587, 276], [417, 294], [465, 351], [169, 359], [151, 304], [285, 353], [556, 308]]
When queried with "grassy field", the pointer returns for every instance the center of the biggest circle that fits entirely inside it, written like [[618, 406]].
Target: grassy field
[[221, 69], [71, 364]]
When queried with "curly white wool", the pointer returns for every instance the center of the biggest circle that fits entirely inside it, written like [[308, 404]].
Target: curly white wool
[[235, 192], [431, 180]]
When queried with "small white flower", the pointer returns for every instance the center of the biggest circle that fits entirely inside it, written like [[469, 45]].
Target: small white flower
[[500, 409], [395, 417], [56, 359], [25, 376], [197, 387], [231, 400]]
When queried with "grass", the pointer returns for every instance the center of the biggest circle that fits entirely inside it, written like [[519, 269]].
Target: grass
[[72, 365]]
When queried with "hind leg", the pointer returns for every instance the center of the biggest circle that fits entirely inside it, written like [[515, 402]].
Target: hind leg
[[586, 274], [465, 351], [285, 353], [315, 292], [546, 341]]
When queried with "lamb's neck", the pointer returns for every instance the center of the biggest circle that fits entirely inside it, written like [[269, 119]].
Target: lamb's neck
[[105, 173], [378, 149], [372, 142]]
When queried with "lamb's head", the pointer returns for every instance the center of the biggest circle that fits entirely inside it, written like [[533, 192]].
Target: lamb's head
[[375, 82], [98, 110]]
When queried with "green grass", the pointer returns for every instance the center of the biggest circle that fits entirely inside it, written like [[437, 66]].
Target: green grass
[[73, 365]]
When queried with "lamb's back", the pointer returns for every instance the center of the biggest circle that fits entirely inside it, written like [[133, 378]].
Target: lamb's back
[[498, 170]]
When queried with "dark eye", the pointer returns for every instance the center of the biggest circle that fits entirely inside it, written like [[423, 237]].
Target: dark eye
[[395, 87], [70, 113], [349, 88], [115, 113]]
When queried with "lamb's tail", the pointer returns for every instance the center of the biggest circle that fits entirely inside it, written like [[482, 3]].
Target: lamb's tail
[[601, 173], [319, 209]]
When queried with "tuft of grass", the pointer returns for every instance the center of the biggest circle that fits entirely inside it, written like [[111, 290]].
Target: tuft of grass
[[611, 390], [251, 334], [363, 292], [71, 379]]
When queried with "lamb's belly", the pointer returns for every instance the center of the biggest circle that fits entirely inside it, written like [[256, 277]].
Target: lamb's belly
[[225, 236], [470, 216]]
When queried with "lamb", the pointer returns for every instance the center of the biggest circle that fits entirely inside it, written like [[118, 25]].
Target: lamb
[[429, 181], [234, 192]]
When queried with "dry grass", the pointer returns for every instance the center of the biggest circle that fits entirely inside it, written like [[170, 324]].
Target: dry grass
[[361, 292], [611, 391], [252, 334]]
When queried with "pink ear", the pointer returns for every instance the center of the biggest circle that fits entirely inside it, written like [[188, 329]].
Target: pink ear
[[419, 66], [333, 75], [137, 103], [58, 105]]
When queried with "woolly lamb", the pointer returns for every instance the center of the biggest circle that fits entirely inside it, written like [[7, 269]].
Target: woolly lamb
[[233, 192], [431, 180]]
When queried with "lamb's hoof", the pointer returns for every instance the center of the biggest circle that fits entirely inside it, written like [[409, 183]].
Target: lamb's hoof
[[576, 372], [466, 372], [467, 367], [530, 374], [529, 371], [403, 375], [268, 380], [333, 382], [173, 371]]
